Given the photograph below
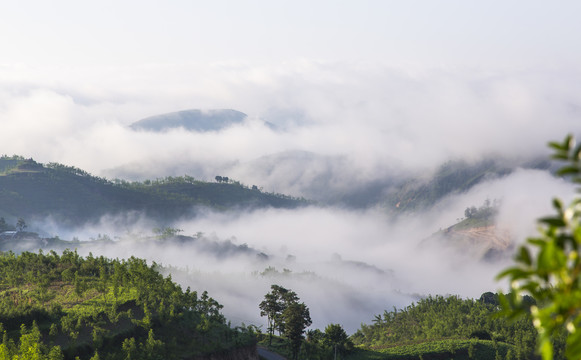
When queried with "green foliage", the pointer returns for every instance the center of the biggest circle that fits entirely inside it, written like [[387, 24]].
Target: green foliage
[[478, 217], [70, 195], [107, 309], [274, 305], [459, 349], [548, 268], [296, 318], [451, 177], [336, 339], [285, 314], [437, 318]]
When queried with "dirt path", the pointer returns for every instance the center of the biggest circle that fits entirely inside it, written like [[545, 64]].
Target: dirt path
[[269, 355]]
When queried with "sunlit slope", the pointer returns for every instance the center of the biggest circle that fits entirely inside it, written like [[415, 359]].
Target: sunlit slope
[[29, 189], [444, 328], [79, 307], [477, 234]]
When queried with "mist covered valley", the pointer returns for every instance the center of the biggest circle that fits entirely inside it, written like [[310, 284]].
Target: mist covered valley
[[371, 157], [347, 261], [346, 176]]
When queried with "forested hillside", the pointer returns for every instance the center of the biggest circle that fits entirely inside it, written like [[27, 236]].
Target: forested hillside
[[448, 327], [477, 234], [192, 120], [72, 196], [452, 177], [66, 306]]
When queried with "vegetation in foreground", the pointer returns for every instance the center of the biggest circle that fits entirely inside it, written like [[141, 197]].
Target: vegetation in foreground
[[548, 268], [66, 307], [446, 327]]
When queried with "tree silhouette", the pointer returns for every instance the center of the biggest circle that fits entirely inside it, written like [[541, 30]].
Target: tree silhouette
[[21, 224], [296, 319]]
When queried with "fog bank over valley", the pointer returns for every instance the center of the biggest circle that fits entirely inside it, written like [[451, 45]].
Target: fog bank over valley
[[364, 142], [346, 265]]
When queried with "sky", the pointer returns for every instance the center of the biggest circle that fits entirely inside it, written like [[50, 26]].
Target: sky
[[378, 82], [360, 91], [424, 33]]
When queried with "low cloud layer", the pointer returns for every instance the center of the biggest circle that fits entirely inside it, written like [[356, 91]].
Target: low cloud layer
[[346, 265], [340, 127], [357, 123]]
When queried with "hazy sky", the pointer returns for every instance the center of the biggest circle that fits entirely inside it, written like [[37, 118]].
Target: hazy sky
[[519, 34]]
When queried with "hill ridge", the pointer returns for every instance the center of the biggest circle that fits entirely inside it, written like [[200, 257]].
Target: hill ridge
[[71, 195], [193, 120]]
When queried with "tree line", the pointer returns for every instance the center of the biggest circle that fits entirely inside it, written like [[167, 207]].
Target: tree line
[[99, 308]]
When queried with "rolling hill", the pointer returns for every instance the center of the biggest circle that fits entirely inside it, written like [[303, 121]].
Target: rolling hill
[[453, 177], [192, 120], [68, 307], [477, 234], [72, 196]]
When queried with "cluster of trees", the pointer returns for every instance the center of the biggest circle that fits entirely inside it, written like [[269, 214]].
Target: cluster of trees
[[4, 226], [100, 308], [222, 179], [333, 343], [20, 225], [290, 318], [487, 211], [30, 346], [286, 315], [438, 318]]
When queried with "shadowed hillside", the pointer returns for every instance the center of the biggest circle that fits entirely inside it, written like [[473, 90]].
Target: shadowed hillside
[[193, 120], [70, 195]]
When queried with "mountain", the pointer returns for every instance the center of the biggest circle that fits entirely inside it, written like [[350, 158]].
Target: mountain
[[72, 196], [192, 120], [487, 242], [452, 177], [330, 179], [477, 234]]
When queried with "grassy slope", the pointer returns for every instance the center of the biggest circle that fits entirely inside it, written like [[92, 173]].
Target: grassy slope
[[439, 349], [91, 310], [458, 349]]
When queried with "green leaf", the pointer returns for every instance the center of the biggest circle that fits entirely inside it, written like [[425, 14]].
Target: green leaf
[[556, 145], [569, 141], [560, 156], [514, 274], [552, 221], [573, 350], [548, 257], [537, 242], [568, 170], [546, 349], [558, 204], [577, 153], [524, 256]]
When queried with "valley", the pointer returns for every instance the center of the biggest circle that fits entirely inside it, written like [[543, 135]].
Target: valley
[[165, 222]]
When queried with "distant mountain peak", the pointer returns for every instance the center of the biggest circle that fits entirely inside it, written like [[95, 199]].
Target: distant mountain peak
[[193, 120]]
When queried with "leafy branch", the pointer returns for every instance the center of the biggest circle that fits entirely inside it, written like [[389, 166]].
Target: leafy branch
[[548, 268]]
